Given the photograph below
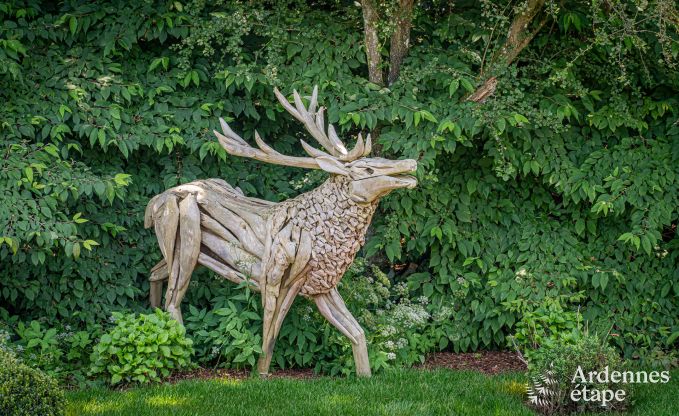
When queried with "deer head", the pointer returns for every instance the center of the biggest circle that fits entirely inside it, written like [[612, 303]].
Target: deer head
[[369, 178]]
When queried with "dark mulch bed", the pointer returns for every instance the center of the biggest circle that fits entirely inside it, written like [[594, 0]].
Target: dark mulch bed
[[487, 362]]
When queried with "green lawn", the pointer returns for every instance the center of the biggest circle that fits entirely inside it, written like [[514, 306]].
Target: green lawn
[[402, 392]]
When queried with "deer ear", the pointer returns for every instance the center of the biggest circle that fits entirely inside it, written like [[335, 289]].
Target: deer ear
[[332, 165]]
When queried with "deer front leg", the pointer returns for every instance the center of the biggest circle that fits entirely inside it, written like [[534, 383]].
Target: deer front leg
[[332, 307], [273, 319], [279, 289]]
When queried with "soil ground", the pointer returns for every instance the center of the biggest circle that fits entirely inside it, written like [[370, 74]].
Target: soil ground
[[486, 362]]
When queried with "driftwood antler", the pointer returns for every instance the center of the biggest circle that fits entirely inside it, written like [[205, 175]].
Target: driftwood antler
[[314, 122]]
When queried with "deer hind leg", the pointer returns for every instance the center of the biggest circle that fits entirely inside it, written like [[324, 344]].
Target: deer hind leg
[[187, 249], [159, 273], [332, 307]]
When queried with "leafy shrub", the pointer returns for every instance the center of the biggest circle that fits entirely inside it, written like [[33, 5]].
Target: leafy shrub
[[40, 346], [142, 348], [59, 351], [398, 327], [544, 323], [552, 373], [229, 334], [25, 391]]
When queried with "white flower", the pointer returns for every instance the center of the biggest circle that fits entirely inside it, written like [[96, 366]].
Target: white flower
[[391, 356], [388, 331]]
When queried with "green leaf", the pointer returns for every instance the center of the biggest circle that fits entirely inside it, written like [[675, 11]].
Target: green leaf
[[73, 24], [520, 119], [428, 289], [646, 244], [467, 85], [454, 85], [29, 174], [603, 281], [471, 186], [500, 124], [580, 226]]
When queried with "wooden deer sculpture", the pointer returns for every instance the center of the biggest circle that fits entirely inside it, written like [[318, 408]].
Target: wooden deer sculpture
[[301, 246]]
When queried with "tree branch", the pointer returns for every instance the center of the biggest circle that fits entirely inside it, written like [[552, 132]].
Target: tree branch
[[518, 38]]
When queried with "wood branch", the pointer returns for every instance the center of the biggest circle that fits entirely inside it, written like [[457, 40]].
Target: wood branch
[[225, 271], [236, 199], [233, 255], [189, 242], [213, 226], [166, 222], [484, 91], [236, 225], [240, 208], [400, 39], [313, 122], [234, 148], [519, 36], [372, 42], [323, 305]]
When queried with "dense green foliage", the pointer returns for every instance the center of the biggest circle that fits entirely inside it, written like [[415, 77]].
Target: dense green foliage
[[64, 354], [142, 348], [26, 391], [562, 185]]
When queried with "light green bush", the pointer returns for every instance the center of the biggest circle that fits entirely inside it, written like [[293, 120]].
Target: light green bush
[[142, 348]]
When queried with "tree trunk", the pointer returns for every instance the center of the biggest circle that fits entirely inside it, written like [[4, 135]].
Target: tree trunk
[[518, 38], [372, 42], [400, 39]]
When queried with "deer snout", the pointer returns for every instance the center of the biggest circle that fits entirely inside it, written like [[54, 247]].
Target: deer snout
[[411, 165]]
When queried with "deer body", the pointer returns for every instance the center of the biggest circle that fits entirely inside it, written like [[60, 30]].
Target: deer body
[[301, 246]]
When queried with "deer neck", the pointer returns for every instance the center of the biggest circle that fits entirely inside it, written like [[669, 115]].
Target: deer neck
[[334, 198], [337, 227]]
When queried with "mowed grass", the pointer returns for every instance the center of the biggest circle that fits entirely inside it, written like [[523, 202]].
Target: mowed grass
[[401, 392]]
